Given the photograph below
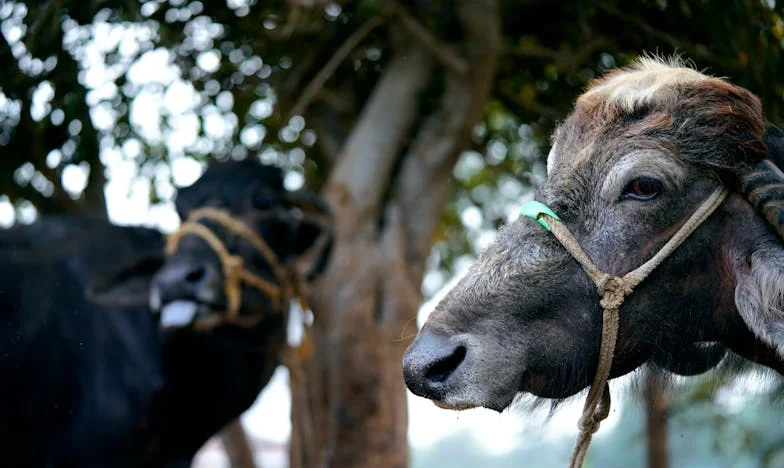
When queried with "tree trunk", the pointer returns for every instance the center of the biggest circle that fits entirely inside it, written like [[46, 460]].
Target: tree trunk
[[349, 399], [657, 406], [237, 446]]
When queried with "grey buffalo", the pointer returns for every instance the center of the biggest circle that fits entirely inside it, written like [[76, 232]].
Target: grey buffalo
[[643, 148]]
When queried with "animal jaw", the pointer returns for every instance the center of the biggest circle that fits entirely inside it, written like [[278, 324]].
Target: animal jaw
[[453, 407]]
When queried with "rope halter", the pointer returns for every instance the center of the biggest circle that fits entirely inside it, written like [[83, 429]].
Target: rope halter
[[234, 272], [613, 291]]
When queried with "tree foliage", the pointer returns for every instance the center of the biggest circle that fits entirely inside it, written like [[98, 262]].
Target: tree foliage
[[90, 83], [87, 82]]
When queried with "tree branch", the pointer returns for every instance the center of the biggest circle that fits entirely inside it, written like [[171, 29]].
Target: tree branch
[[426, 175], [290, 85], [563, 58], [400, 293], [691, 50], [44, 12], [94, 198], [359, 179], [30, 134], [15, 193], [657, 406], [440, 52], [332, 64], [522, 108], [331, 129], [238, 449], [59, 197]]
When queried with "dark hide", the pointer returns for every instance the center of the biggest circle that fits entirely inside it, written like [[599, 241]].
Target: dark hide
[[91, 379], [78, 376], [774, 140]]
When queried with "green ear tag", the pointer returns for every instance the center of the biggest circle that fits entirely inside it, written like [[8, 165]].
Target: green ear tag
[[534, 210]]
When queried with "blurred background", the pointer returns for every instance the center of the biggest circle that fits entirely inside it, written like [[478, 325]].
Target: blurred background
[[437, 112]]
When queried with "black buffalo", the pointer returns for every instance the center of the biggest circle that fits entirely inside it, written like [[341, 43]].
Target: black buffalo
[[93, 372]]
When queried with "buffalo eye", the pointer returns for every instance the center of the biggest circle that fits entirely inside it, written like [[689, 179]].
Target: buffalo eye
[[262, 200], [642, 188]]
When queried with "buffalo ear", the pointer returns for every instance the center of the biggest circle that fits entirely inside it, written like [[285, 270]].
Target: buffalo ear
[[128, 285], [312, 242], [774, 140], [759, 294], [311, 247]]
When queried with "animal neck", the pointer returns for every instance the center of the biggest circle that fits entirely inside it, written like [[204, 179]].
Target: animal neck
[[211, 378]]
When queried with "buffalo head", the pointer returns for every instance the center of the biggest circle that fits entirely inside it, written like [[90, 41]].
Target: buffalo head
[[642, 149], [189, 284]]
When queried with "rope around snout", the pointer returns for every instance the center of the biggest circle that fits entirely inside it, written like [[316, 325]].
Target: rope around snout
[[234, 272], [613, 291], [235, 275]]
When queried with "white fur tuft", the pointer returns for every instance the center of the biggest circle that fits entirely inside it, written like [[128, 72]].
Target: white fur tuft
[[648, 80]]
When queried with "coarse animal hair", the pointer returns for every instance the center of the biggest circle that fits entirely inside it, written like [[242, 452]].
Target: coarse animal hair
[[643, 147]]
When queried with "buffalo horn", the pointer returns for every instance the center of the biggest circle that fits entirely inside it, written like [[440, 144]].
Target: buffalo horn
[[763, 182]]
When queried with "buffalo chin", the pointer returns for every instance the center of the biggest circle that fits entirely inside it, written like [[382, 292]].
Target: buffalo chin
[[495, 401], [453, 407]]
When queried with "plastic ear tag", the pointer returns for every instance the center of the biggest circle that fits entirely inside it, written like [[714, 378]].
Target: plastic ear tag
[[534, 210]]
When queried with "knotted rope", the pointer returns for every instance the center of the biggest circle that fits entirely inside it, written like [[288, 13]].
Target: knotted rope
[[235, 275], [613, 291], [234, 272]]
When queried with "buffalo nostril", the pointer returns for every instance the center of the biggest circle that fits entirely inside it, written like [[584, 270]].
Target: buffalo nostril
[[195, 275], [440, 370]]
